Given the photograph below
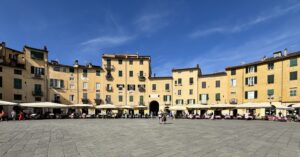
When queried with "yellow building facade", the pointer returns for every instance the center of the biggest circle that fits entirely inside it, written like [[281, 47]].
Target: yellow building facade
[[127, 81]]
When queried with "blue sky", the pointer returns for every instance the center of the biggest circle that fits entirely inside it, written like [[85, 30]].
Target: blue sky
[[176, 33]]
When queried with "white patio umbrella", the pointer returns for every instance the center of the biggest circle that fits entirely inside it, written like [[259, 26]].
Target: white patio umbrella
[[43, 105], [80, 105], [177, 108], [222, 106], [198, 106], [126, 107], [7, 103], [106, 106], [254, 105]]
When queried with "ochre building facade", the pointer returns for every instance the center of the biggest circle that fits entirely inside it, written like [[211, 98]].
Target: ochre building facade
[[126, 80]]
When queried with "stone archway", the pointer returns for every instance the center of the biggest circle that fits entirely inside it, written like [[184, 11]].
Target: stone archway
[[154, 108]]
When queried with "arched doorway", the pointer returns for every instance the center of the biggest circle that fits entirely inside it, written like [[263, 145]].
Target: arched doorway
[[154, 108]]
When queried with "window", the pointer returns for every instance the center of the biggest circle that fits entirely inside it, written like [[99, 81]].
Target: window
[[218, 84], [270, 79], [293, 62], [17, 97], [71, 98], [251, 95], [251, 69], [141, 62], [130, 98], [179, 92], [64, 70], [293, 91], [72, 78], [37, 55], [233, 82], [191, 92], [18, 72], [293, 75], [97, 86], [56, 68], [130, 73], [97, 96], [167, 98], [203, 84], [120, 73], [191, 101], [270, 92], [218, 97], [179, 101], [17, 83], [179, 81], [131, 87], [37, 71], [167, 86], [120, 98], [191, 80], [153, 86], [204, 98], [120, 61], [85, 85], [0, 69], [0, 81], [97, 72], [250, 81], [141, 73], [85, 96], [270, 66], [141, 99], [108, 62], [233, 72], [84, 72], [108, 99], [71, 70], [55, 83], [131, 62], [1, 96], [38, 88]]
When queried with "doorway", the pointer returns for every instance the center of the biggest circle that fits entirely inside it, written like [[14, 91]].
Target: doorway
[[154, 108]]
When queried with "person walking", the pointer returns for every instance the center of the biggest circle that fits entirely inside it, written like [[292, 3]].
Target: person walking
[[13, 114], [159, 116]]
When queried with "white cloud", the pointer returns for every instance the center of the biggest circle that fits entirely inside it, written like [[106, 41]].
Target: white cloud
[[151, 22], [277, 12], [105, 42]]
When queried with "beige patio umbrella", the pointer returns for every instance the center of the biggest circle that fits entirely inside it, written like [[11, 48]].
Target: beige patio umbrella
[[7, 103]]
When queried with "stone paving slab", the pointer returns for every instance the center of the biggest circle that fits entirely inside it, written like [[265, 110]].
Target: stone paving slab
[[146, 137]]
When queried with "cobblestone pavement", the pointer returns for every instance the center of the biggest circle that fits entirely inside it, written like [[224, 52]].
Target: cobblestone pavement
[[142, 137]]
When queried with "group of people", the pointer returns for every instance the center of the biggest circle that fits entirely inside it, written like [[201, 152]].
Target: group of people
[[4, 116]]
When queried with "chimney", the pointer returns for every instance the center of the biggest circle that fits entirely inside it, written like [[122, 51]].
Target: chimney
[[285, 52], [45, 48], [76, 63], [3, 43], [197, 66], [277, 54]]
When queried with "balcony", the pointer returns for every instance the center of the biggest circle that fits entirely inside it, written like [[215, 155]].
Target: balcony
[[98, 101], [141, 103], [85, 100], [109, 89], [233, 101], [142, 89], [37, 76], [142, 78], [109, 67], [108, 101], [109, 77], [168, 102], [37, 93]]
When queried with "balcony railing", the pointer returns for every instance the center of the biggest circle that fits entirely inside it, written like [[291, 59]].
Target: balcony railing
[[109, 67], [98, 101], [85, 100], [37, 93], [109, 77], [142, 78]]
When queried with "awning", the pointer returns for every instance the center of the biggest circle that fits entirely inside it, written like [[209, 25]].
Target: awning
[[279, 106], [125, 107], [7, 103], [177, 108], [80, 105], [44, 105], [140, 107], [198, 106], [222, 106], [106, 106], [296, 105], [254, 105]]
